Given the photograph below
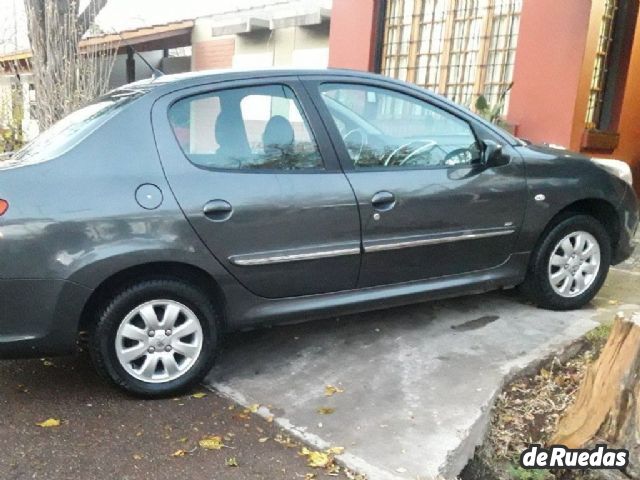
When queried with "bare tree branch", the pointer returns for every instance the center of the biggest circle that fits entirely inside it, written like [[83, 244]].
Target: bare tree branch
[[64, 77], [89, 14]]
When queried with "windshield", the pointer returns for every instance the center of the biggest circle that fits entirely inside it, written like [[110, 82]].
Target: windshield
[[67, 132]]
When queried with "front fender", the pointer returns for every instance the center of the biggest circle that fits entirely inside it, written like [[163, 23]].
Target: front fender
[[556, 179]]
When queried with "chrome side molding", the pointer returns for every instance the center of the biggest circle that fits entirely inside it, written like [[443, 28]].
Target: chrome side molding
[[253, 260], [420, 242], [284, 256]]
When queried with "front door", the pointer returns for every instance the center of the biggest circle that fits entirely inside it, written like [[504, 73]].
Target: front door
[[260, 187], [428, 206]]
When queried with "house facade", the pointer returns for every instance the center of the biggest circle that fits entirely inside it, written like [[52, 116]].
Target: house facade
[[561, 72], [251, 34]]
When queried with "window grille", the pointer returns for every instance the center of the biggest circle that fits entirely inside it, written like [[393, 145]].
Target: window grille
[[599, 78], [460, 48]]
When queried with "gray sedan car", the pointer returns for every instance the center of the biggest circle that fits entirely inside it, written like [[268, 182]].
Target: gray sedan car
[[173, 210]]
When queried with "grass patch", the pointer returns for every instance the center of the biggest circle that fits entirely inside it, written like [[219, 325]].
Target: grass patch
[[599, 335], [518, 473]]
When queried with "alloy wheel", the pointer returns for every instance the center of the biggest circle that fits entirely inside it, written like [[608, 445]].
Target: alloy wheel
[[574, 264], [159, 341]]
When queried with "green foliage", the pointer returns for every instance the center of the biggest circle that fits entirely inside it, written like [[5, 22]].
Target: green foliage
[[493, 113], [518, 473], [599, 335], [11, 135]]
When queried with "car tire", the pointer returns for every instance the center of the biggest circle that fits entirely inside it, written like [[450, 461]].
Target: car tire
[[557, 268], [163, 362]]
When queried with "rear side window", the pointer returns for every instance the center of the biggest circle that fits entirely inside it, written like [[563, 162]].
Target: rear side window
[[245, 128], [73, 128]]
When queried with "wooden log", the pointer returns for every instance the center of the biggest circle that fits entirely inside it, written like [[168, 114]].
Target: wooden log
[[606, 407]]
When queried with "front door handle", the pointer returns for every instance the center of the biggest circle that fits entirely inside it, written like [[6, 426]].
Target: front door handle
[[218, 210], [383, 201]]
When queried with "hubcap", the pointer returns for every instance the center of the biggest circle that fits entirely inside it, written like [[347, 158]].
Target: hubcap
[[159, 341], [574, 264]]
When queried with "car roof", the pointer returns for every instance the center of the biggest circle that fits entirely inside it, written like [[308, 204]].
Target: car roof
[[233, 73]]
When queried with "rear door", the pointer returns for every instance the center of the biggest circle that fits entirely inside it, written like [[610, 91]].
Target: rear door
[[259, 185], [429, 207]]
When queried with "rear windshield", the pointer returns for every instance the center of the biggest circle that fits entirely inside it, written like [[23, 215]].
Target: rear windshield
[[69, 131]]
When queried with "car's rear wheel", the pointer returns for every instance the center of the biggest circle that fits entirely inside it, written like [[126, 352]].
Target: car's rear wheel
[[569, 265], [155, 338]]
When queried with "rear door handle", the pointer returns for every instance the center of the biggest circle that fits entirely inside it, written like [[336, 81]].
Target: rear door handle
[[218, 210], [383, 201]]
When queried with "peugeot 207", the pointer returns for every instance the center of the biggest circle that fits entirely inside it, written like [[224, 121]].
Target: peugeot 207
[[175, 209]]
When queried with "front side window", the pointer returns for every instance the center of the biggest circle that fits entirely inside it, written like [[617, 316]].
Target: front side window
[[383, 128], [245, 128]]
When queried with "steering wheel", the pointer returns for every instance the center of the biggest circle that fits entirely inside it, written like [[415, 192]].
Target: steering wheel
[[355, 153], [458, 156], [428, 146]]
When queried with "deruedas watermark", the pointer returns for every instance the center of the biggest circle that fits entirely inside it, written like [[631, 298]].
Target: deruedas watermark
[[559, 456]]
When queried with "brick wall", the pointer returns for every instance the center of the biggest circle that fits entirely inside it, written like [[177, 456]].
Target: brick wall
[[209, 54]]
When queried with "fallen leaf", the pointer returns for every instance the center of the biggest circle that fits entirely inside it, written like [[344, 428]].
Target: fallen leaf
[[253, 408], [286, 441], [137, 456], [335, 451], [179, 453], [325, 410], [318, 460], [199, 395], [51, 422], [211, 443], [331, 390], [309, 476], [263, 439], [231, 462]]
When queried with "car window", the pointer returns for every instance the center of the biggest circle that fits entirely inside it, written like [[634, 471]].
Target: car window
[[72, 129], [245, 128], [385, 129]]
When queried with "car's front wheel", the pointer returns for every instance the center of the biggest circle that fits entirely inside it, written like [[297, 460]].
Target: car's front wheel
[[569, 265], [155, 338]]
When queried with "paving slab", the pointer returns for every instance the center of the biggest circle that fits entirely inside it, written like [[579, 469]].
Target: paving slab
[[418, 381]]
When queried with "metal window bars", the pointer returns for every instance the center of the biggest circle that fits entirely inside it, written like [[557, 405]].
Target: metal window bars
[[599, 78], [460, 48]]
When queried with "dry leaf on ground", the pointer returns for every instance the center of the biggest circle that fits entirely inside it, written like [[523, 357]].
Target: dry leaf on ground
[[231, 462], [331, 390], [326, 410], [316, 459], [50, 422], [199, 395], [213, 442]]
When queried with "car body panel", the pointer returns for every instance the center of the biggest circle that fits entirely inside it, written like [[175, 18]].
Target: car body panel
[[467, 217], [288, 234]]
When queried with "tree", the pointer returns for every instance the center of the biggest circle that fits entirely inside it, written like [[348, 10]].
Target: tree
[[607, 406], [65, 76]]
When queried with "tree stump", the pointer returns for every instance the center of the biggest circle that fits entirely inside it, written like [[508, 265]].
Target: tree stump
[[606, 407]]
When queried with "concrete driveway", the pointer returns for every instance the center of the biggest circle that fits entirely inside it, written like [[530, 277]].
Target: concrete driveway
[[418, 381]]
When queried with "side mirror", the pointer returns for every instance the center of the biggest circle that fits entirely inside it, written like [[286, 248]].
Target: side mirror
[[492, 155]]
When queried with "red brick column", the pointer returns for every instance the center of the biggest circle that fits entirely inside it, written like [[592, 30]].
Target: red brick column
[[548, 68], [352, 34], [210, 54]]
